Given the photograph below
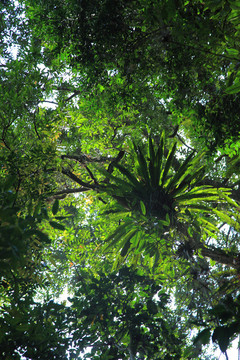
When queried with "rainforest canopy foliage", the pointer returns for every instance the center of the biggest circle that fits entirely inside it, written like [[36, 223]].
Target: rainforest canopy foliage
[[119, 179]]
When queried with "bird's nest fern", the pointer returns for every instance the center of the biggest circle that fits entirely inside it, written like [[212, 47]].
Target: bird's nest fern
[[161, 200]]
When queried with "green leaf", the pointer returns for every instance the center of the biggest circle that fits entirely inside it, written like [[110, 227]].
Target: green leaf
[[190, 180], [223, 194], [143, 168], [56, 225], [116, 236], [152, 166], [55, 207], [130, 177], [206, 223], [168, 164], [199, 207], [120, 182], [225, 218], [235, 5], [203, 337], [233, 89], [233, 52], [44, 213], [221, 336], [159, 160], [43, 237], [155, 161], [125, 248], [200, 193], [143, 208], [129, 236], [37, 208], [181, 171], [151, 150]]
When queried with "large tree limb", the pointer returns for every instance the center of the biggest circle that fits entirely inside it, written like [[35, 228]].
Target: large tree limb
[[71, 191], [220, 256], [63, 193], [73, 177], [216, 254], [83, 159]]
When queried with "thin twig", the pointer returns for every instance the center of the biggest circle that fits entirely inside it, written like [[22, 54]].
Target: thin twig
[[183, 142], [5, 144], [49, 102], [71, 96], [226, 355], [34, 122], [18, 187]]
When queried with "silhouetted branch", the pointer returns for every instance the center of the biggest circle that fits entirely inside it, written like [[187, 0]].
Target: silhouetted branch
[[82, 158], [115, 161], [91, 175], [73, 177]]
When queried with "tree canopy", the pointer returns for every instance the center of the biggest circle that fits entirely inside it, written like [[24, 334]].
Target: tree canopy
[[119, 179]]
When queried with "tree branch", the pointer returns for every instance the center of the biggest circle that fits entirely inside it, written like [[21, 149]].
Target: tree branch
[[216, 254], [220, 256], [82, 158], [91, 175], [62, 194], [34, 122], [115, 161], [79, 181], [166, 37], [71, 96], [72, 191]]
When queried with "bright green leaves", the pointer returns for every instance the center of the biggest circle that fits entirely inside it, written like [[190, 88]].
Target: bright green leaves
[[161, 196], [235, 87], [143, 207], [121, 67], [22, 243], [126, 236]]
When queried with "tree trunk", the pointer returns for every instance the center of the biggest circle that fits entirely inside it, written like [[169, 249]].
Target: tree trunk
[[220, 256]]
